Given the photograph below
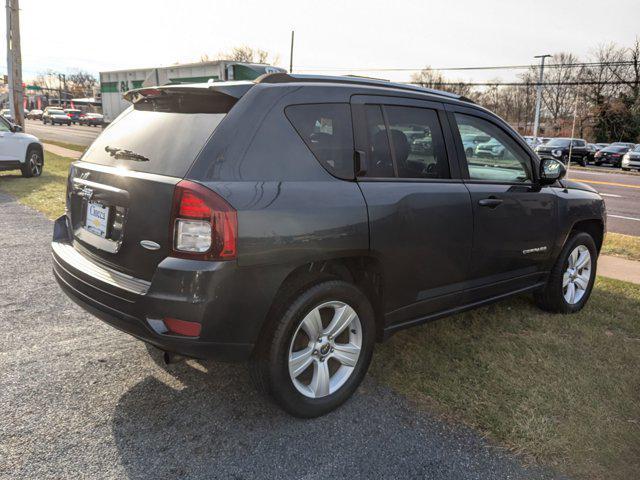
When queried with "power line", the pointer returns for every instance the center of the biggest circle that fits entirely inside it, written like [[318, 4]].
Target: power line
[[492, 67], [521, 84]]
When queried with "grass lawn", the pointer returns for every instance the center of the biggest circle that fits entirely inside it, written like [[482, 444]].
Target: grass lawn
[[563, 390], [620, 245], [70, 146], [44, 193]]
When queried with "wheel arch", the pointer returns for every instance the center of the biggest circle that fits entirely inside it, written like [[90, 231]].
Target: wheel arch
[[594, 227], [31, 146], [363, 271]]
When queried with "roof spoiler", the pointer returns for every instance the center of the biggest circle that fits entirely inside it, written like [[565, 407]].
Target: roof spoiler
[[229, 89]]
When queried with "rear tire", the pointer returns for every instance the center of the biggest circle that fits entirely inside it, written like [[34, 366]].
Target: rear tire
[[287, 355], [571, 279]]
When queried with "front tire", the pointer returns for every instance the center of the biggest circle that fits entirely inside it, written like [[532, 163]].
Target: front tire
[[317, 349], [571, 279], [33, 164]]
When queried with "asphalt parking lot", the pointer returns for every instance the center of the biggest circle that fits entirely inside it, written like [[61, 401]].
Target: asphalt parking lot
[[82, 400]]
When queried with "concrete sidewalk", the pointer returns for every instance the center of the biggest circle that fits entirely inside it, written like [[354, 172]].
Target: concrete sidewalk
[[63, 152], [619, 268]]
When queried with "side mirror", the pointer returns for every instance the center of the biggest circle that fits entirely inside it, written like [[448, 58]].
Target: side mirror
[[551, 170], [16, 128]]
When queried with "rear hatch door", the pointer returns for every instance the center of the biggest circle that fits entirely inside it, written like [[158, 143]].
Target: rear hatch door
[[120, 193]]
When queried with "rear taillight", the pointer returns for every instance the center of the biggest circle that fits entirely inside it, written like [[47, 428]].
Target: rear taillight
[[203, 226]]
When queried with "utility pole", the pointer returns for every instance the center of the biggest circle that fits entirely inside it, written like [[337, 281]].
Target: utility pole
[[14, 63], [62, 80], [291, 54], [536, 121]]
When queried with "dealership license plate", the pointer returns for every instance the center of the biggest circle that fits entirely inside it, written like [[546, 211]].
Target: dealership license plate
[[97, 219]]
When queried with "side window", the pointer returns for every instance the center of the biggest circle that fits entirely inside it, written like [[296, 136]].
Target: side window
[[326, 130], [417, 142], [497, 157], [411, 147], [4, 126], [379, 153]]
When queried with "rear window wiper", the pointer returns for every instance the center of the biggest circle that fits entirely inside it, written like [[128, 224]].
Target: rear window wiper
[[121, 153]]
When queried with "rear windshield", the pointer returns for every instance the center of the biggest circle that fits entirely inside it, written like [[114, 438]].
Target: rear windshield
[[164, 143], [558, 142]]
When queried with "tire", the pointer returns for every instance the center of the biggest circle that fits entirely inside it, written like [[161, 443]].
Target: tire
[[597, 164], [553, 297], [34, 163], [286, 334], [626, 169]]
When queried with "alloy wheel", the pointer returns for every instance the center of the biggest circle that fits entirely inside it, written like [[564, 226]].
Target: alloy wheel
[[325, 349], [35, 164], [577, 276]]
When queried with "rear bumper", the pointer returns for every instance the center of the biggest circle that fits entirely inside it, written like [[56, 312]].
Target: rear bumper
[[204, 292]]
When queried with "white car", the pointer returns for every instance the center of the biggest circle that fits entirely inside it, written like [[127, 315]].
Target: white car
[[19, 150]]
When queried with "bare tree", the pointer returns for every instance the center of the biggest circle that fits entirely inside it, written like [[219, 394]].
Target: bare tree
[[245, 54], [557, 94], [81, 83], [430, 78]]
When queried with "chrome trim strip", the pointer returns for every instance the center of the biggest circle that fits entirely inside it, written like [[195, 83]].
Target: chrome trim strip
[[101, 186], [75, 259], [123, 172]]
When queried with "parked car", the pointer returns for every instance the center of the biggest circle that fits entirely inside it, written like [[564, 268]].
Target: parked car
[[624, 144], [290, 222], [592, 148], [491, 149], [91, 119], [559, 148], [631, 159], [35, 114], [471, 141], [612, 154], [73, 114], [6, 113], [601, 145], [19, 151], [55, 116]]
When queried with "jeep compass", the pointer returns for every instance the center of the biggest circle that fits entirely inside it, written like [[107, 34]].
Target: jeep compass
[[294, 221]]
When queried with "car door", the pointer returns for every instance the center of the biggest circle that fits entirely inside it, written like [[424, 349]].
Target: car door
[[420, 216], [9, 144], [514, 218]]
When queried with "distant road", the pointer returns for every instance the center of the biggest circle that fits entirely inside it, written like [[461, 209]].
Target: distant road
[[621, 194], [80, 135]]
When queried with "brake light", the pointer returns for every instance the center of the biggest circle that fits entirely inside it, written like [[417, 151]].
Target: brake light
[[616, 155], [203, 226]]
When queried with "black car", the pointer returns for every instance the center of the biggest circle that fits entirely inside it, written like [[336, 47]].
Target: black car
[[291, 222], [612, 154], [560, 148]]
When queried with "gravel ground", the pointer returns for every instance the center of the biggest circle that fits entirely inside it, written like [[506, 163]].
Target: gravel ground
[[82, 400]]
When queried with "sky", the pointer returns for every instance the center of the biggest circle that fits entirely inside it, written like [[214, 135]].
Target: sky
[[93, 35]]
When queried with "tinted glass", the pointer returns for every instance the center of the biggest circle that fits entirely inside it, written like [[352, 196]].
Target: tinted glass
[[326, 130], [579, 143], [500, 159], [558, 142], [380, 163], [170, 141], [417, 143]]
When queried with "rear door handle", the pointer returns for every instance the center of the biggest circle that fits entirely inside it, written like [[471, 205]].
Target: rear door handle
[[490, 202]]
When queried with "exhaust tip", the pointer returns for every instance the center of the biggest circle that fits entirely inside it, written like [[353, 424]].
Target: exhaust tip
[[169, 358]]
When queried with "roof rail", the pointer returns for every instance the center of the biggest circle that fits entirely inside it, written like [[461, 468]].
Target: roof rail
[[290, 77]]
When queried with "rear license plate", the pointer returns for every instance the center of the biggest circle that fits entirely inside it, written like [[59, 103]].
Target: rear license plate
[[97, 219]]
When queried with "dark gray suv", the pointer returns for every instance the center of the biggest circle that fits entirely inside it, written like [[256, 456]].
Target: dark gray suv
[[294, 221]]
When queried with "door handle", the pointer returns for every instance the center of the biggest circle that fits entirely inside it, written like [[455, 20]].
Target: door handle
[[490, 202]]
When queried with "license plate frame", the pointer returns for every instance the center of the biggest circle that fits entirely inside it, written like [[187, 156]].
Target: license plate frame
[[97, 219]]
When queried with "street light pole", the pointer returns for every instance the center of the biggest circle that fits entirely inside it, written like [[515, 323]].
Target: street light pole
[[536, 122], [291, 54], [14, 63]]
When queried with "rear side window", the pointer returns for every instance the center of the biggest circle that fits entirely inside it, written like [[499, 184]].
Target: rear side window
[[326, 130], [405, 142]]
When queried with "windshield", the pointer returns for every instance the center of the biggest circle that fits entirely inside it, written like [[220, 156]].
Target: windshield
[[558, 142], [616, 148], [165, 143], [637, 149], [56, 112]]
